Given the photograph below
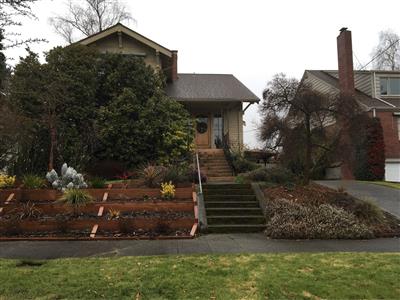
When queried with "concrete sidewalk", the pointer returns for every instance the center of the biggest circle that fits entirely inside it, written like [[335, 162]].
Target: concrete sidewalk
[[207, 244], [385, 197]]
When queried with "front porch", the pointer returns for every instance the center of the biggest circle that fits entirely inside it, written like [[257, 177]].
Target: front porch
[[216, 122]]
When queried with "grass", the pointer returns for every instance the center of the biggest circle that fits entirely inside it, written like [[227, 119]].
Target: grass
[[394, 185], [249, 276]]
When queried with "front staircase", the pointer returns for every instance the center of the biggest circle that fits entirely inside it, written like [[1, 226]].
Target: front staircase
[[214, 165], [232, 208]]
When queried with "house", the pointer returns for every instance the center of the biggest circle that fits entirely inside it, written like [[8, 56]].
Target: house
[[216, 101], [377, 93]]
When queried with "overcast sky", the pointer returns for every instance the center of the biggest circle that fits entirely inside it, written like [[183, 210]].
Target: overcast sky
[[251, 39]]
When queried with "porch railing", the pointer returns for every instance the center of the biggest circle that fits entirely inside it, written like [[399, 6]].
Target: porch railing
[[199, 173]]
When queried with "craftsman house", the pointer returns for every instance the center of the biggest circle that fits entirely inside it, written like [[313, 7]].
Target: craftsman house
[[216, 101], [377, 93]]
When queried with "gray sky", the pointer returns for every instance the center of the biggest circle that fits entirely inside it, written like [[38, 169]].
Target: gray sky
[[251, 39]]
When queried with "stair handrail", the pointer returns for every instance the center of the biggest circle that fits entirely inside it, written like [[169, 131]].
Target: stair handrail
[[199, 173]]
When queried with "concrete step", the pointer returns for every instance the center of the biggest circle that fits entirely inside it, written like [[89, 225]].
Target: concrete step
[[217, 175], [228, 192], [231, 198], [239, 219], [233, 211], [230, 186], [231, 204], [230, 228], [224, 179]]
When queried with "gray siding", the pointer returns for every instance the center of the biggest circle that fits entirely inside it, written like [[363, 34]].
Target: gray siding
[[319, 85], [362, 81]]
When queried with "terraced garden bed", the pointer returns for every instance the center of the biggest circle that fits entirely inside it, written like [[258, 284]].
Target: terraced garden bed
[[114, 214]]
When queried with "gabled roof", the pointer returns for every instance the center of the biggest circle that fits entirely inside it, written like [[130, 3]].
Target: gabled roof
[[133, 34], [209, 87], [361, 97]]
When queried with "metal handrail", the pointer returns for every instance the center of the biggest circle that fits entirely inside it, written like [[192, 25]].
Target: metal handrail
[[198, 172]]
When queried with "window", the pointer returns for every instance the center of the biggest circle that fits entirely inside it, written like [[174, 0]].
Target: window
[[218, 131], [390, 85], [398, 126]]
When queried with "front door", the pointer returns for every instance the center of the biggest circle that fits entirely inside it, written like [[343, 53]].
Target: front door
[[203, 131]]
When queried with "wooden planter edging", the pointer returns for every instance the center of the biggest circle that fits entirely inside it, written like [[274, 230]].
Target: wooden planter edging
[[45, 199], [93, 208], [50, 195]]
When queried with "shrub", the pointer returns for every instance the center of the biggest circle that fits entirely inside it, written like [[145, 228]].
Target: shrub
[[367, 211], [370, 153], [242, 165], [76, 198], [295, 221], [6, 181], [195, 176], [70, 179], [97, 182], [33, 182], [176, 174], [109, 169], [29, 211], [114, 214], [273, 175], [152, 175], [167, 190]]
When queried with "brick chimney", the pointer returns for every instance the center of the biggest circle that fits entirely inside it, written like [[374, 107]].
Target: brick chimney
[[345, 61], [174, 65]]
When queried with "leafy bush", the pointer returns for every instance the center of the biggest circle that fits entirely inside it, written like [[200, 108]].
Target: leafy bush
[[108, 169], [33, 182], [195, 176], [238, 162], [70, 179], [176, 174], [152, 175], [370, 152], [291, 220], [167, 190], [76, 198], [6, 181], [368, 211], [29, 211], [273, 175], [97, 183]]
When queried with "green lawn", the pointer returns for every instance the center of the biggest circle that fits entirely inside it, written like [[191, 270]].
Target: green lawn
[[394, 185], [254, 276]]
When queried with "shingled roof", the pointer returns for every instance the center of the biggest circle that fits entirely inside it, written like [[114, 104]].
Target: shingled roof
[[209, 87]]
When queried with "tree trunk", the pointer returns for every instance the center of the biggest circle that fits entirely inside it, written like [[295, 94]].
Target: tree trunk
[[307, 163]]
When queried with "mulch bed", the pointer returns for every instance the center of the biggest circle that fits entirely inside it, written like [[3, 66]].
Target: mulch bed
[[315, 195]]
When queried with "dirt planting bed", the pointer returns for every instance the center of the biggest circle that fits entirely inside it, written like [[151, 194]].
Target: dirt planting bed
[[114, 214], [298, 207]]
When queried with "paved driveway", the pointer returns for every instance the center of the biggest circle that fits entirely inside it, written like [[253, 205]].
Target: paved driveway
[[206, 244], [386, 197]]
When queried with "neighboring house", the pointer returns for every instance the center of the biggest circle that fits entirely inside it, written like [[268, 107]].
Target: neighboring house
[[377, 92], [214, 100]]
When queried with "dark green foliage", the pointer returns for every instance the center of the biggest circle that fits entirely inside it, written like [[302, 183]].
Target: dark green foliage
[[291, 220], [92, 108], [179, 173], [31, 181], [370, 152], [277, 175], [109, 169], [97, 182]]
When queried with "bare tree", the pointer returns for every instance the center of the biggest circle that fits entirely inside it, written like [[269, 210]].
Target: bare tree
[[386, 55], [10, 13], [89, 17], [297, 120]]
